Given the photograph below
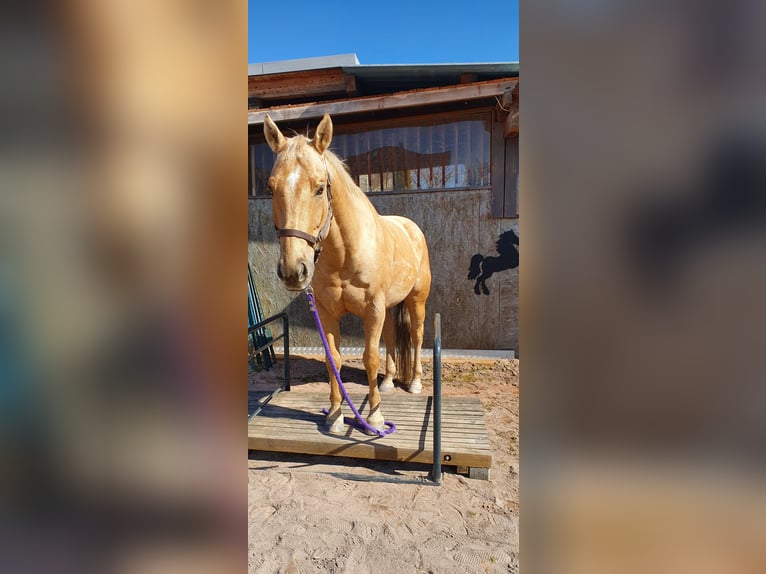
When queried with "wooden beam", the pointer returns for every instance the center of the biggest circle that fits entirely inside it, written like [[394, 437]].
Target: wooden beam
[[350, 85], [498, 169], [396, 100], [511, 194], [511, 126], [308, 83]]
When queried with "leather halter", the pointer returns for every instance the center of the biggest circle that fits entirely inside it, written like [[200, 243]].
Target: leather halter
[[314, 240]]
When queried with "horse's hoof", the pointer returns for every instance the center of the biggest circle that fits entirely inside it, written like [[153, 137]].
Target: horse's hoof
[[415, 387], [335, 423], [338, 427], [386, 386], [375, 421]]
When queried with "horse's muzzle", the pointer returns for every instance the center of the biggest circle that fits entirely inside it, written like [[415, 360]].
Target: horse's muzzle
[[295, 277]]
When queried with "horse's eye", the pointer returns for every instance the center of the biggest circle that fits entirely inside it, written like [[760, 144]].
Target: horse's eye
[[320, 189]]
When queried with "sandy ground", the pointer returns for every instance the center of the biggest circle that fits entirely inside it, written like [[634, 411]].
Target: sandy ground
[[339, 515]]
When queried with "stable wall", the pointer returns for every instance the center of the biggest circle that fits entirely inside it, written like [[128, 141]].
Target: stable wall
[[457, 225]]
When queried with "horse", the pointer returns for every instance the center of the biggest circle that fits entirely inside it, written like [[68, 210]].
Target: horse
[[482, 268], [357, 261]]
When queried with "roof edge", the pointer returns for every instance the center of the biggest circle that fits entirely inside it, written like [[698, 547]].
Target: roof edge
[[301, 64]]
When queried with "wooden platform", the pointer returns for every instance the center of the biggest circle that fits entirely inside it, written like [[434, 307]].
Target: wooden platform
[[293, 422]]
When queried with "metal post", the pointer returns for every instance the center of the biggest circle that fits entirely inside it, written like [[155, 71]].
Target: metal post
[[437, 470], [286, 331]]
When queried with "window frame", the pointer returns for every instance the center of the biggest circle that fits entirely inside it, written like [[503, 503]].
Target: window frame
[[503, 155], [505, 173]]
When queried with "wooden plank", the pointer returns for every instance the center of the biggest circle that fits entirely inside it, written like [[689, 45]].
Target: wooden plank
[[328, 443], [455, 426], [356, 395], [403, 405], [510, 198], [400, 398], [498, 169], [468, 413], [475, 433], [302, 84], [370, 451], [466, 420], [293, 423], [396, 100], [403, 410], [475, 445], [271, 425]]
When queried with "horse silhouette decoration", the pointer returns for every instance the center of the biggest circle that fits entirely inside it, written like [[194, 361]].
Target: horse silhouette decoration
[[376, 267], [482, 268]]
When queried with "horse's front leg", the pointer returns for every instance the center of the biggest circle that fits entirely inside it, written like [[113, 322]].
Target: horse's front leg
[[331, 326], [373, 327]]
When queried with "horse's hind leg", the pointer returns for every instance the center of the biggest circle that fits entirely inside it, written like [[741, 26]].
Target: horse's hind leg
[[331, 325], [388, 336], [481, 281], [416, 306]]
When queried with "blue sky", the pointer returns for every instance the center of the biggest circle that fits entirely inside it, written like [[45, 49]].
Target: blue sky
[[385, 32]]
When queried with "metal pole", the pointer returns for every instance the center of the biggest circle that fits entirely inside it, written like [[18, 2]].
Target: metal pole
[[286, 331], [437, 470]]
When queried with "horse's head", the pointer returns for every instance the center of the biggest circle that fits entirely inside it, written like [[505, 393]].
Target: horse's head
[[300, 190]]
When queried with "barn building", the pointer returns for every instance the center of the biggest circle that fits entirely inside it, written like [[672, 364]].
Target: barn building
[[437, 143]]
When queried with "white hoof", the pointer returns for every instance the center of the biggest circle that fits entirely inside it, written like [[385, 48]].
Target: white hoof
[[415, 387], [335, 423], [386, 386], [375, 420]]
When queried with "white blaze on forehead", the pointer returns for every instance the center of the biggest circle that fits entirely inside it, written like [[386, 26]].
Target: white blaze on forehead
[[292, 179]]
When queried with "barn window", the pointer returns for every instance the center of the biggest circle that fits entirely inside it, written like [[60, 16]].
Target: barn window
[[405, 155], [419, 155]]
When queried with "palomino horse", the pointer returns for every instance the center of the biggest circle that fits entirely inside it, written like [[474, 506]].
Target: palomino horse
[[373, 266]]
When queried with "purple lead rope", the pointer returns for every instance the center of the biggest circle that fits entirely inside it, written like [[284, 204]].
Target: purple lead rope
[[358, 422]]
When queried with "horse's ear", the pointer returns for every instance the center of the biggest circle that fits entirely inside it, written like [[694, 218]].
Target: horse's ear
[[274, 137], [323, 136]]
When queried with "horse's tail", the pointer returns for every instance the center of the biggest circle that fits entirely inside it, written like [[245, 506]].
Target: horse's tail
[[403, 343], [475, 269]]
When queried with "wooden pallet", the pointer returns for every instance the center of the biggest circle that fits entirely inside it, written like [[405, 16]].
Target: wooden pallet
[[293, 422]]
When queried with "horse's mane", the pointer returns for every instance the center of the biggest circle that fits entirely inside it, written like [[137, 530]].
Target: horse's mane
[[342, 169], [506, 241]]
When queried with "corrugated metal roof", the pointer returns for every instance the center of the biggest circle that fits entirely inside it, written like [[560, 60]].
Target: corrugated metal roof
[[350, 63], [433, 70]]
